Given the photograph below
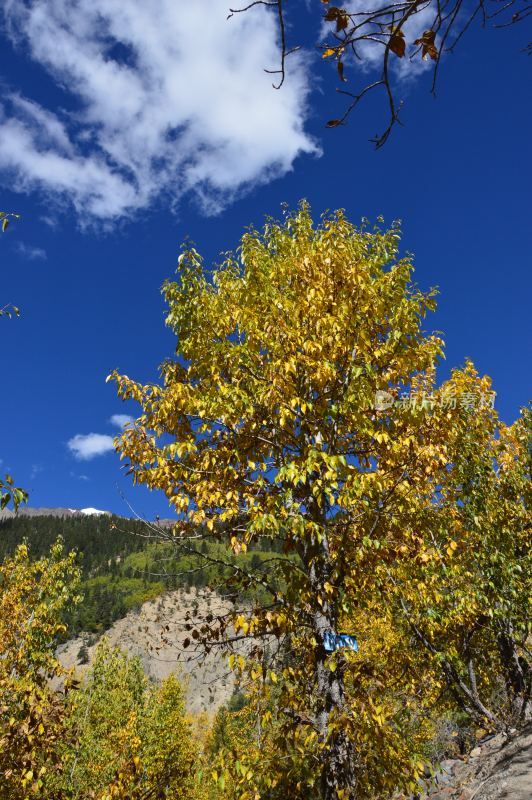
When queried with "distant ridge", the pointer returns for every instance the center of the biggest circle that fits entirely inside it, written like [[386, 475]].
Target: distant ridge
[[27, 511], [53, 512]]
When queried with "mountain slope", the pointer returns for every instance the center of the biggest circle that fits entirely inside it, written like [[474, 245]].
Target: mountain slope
[[155, 633]]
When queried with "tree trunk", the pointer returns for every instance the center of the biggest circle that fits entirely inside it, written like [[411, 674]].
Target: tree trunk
[[338, 777], [516, 669], [339, 771]]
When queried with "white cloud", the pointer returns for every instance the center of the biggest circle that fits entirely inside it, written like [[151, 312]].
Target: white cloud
[[87, 446], [171, 99], [29, 252], [120, 420]]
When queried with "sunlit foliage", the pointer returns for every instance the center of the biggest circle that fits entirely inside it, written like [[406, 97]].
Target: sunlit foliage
[[129, 739], [268, 425], [33, 595]]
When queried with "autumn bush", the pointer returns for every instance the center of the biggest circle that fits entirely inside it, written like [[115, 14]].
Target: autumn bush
[[112, 735]]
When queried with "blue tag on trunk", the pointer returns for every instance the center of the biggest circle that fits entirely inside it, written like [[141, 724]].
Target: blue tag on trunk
[[334, 641]]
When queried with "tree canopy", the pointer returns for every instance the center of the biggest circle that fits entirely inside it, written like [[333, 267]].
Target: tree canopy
[[301, 407]]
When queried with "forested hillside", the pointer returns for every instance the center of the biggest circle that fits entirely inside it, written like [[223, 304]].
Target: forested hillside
[[96, 538], [121, 567]]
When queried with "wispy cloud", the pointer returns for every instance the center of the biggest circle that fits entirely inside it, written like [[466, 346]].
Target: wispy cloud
[[84, 447], [30, 252], [80, 477], [35, 469], [171, 99], [120, 420]]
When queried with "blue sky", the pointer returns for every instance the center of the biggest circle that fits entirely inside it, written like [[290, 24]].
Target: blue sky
[[107, 194]]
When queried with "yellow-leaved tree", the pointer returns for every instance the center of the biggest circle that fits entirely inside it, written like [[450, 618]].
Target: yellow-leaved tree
[[280, 421], [128, 739], [467, 598], [33, 596]]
